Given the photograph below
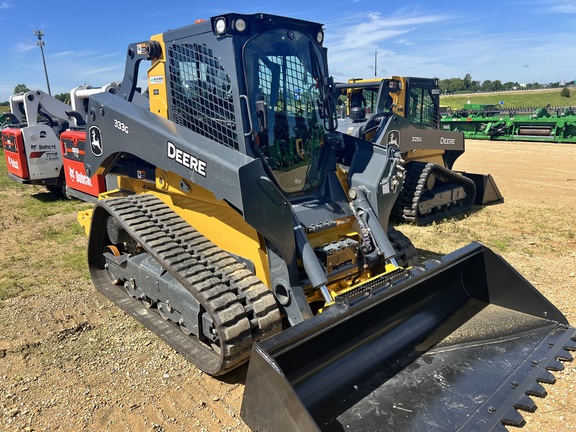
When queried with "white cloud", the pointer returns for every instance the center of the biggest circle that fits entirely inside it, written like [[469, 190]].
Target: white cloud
[[565, 8], [551, 6], [23, 47], [430, 45], [351, 52]]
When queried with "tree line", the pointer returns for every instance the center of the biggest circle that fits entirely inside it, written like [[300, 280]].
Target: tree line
[[447, 86], [469, 85]]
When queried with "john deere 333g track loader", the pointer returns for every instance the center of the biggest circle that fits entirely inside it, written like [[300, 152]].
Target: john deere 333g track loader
[[251, 243]]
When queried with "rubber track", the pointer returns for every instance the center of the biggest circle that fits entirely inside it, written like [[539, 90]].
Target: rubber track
[[407, 253], [212, 276], [406, 206], [257, 299]]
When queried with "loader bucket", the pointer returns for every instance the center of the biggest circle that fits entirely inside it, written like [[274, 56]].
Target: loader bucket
[[486, 190], [461, 344]]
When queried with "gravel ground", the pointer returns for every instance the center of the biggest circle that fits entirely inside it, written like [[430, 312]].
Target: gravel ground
[[70, 360]]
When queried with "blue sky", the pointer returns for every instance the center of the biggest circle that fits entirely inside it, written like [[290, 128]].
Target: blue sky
[[85, 42]]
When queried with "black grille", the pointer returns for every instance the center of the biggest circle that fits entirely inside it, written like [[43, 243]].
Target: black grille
[[294, 81], [421, 108], [200, 92]]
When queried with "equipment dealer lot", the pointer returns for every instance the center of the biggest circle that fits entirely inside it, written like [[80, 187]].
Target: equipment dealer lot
[[70, 360]]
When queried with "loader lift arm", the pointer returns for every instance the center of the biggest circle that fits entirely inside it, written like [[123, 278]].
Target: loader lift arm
[[37, 102]]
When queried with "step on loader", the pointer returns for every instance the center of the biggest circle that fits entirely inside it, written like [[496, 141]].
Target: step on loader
[[253, 243]]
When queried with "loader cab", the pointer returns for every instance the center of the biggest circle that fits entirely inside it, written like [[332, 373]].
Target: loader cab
[[422, 101], [286, 75]]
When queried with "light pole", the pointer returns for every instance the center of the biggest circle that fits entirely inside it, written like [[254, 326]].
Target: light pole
[[40, 43]]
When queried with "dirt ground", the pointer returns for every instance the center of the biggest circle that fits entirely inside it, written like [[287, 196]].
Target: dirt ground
[[70, 360]]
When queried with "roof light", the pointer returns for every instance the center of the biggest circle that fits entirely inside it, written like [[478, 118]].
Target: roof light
[[240, 25], [220, 26], [320, 37]]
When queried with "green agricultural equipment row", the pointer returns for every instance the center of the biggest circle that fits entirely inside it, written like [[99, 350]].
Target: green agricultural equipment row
[[488, 122]]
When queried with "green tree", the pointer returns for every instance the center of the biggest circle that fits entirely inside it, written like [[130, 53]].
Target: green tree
[[496, 85], [452, 85], [565, 93], [21, 88], [63, 97], [467, 81]]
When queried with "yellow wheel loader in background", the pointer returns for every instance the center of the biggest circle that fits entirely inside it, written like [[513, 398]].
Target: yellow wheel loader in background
[[264, 236], [432, 189]]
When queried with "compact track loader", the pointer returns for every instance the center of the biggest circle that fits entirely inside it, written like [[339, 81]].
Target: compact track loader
[[432, 190], [263, 236], [44, 143], [32, 147]]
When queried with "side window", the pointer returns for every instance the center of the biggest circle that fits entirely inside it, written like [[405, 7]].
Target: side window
[[421, 108], [201, 94]]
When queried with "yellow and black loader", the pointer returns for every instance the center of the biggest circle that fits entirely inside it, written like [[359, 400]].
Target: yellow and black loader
[[433, 190], [261, 234]]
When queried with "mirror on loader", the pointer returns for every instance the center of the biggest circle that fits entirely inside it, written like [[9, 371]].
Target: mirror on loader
[[253, 243]]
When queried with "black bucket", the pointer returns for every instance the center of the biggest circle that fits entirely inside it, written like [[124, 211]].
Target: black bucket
[[460, 345], [486, 190]]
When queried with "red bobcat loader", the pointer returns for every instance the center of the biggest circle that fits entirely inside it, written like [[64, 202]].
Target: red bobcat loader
[[73, 143], [31, 146]]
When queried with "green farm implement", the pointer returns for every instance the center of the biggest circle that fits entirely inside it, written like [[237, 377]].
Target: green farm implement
[[488, 122]]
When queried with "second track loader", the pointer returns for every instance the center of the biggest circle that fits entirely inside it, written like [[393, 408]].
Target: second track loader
[[433, 190], [263, 237]]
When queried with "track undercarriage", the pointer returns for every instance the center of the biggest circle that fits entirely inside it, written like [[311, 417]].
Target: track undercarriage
[[209, 306], [198, 298], [432, 193]]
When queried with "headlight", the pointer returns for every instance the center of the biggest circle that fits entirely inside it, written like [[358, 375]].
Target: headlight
[[220, 26], [240, 25]]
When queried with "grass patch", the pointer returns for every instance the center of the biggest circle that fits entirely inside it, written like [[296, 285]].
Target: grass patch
[[75, 260], [62, 234], [501, 245], [530, 231], [9, 285], [45, 204], [43, 246], [511, 99]]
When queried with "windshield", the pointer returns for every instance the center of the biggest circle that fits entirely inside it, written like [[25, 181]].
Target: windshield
[[283, 69]]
